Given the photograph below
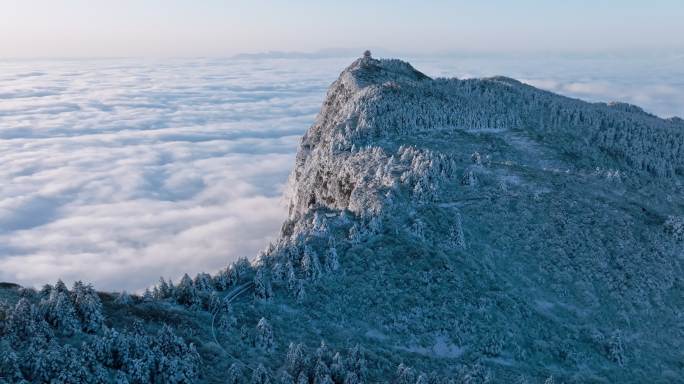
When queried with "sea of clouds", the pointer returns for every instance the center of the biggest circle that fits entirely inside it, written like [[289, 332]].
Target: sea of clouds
[[119, 171]]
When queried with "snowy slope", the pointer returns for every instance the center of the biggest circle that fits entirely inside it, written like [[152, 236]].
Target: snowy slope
[[439, 230]]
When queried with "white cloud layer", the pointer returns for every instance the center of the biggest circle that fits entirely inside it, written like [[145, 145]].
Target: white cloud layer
[[120, 171]]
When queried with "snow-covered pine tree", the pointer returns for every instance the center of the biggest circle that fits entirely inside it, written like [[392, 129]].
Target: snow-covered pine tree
[[352, 378], [185, 292], [24, 323], [88, 306], [123, 298], [303, 378], [44, 292], [405, 375], [163, 289], [72, 368], [121, 378], [180, 361], [355, 234], [262, 285], [243, 268], [321, 372], [61, 287], [234, 374], [324, 353], [214, 303], [456, 236], [279, 272], [311, 264], [674, 225], [469, 178], [9, 364], [337, 369], [147, 296], [300, 291], [225, 278], [332, 262], [285, 378], [203, 283], [291, 277], [356, 362], [295, 359], [264, 335], [260, 375], [97, 371], [59, 311]]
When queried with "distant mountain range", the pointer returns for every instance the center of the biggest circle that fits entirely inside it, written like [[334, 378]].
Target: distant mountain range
[[439, 231]]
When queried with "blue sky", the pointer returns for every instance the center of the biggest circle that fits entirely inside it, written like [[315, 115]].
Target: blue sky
[[96, 28]]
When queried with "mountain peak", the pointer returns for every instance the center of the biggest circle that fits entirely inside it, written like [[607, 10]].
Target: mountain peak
[[493, 207], [367, 70]]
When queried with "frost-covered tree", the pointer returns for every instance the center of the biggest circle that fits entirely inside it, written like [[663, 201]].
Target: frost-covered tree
[[264, 335], [352, 378], [147, 296], [279, 272], [9, 364], [262, 285], [61, 287], [456, 236], [44, 292], [418, 228], [285, 378], [469, 178], [243, 268], [163, 290], [226, 320], [332, 262], [260, 375], [355, 234], [72, 368], [123, 298], [299, 291], [180, 361], [225, 278], [88, 306], [25, 322], [311, 264], [615, 349], [321, 373], [337, 368], [356, 362], [292, 280], [296, 359], [674, 225], [234, 374], [98, 374], [214, 303], [121, 378], [405, 375], [203, 283], [59, 311], [324, 353], [185, 292]]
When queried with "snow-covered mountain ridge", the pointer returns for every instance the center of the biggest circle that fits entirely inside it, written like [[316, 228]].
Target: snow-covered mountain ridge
[[567, 210], [440, 231], [379, 103]]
